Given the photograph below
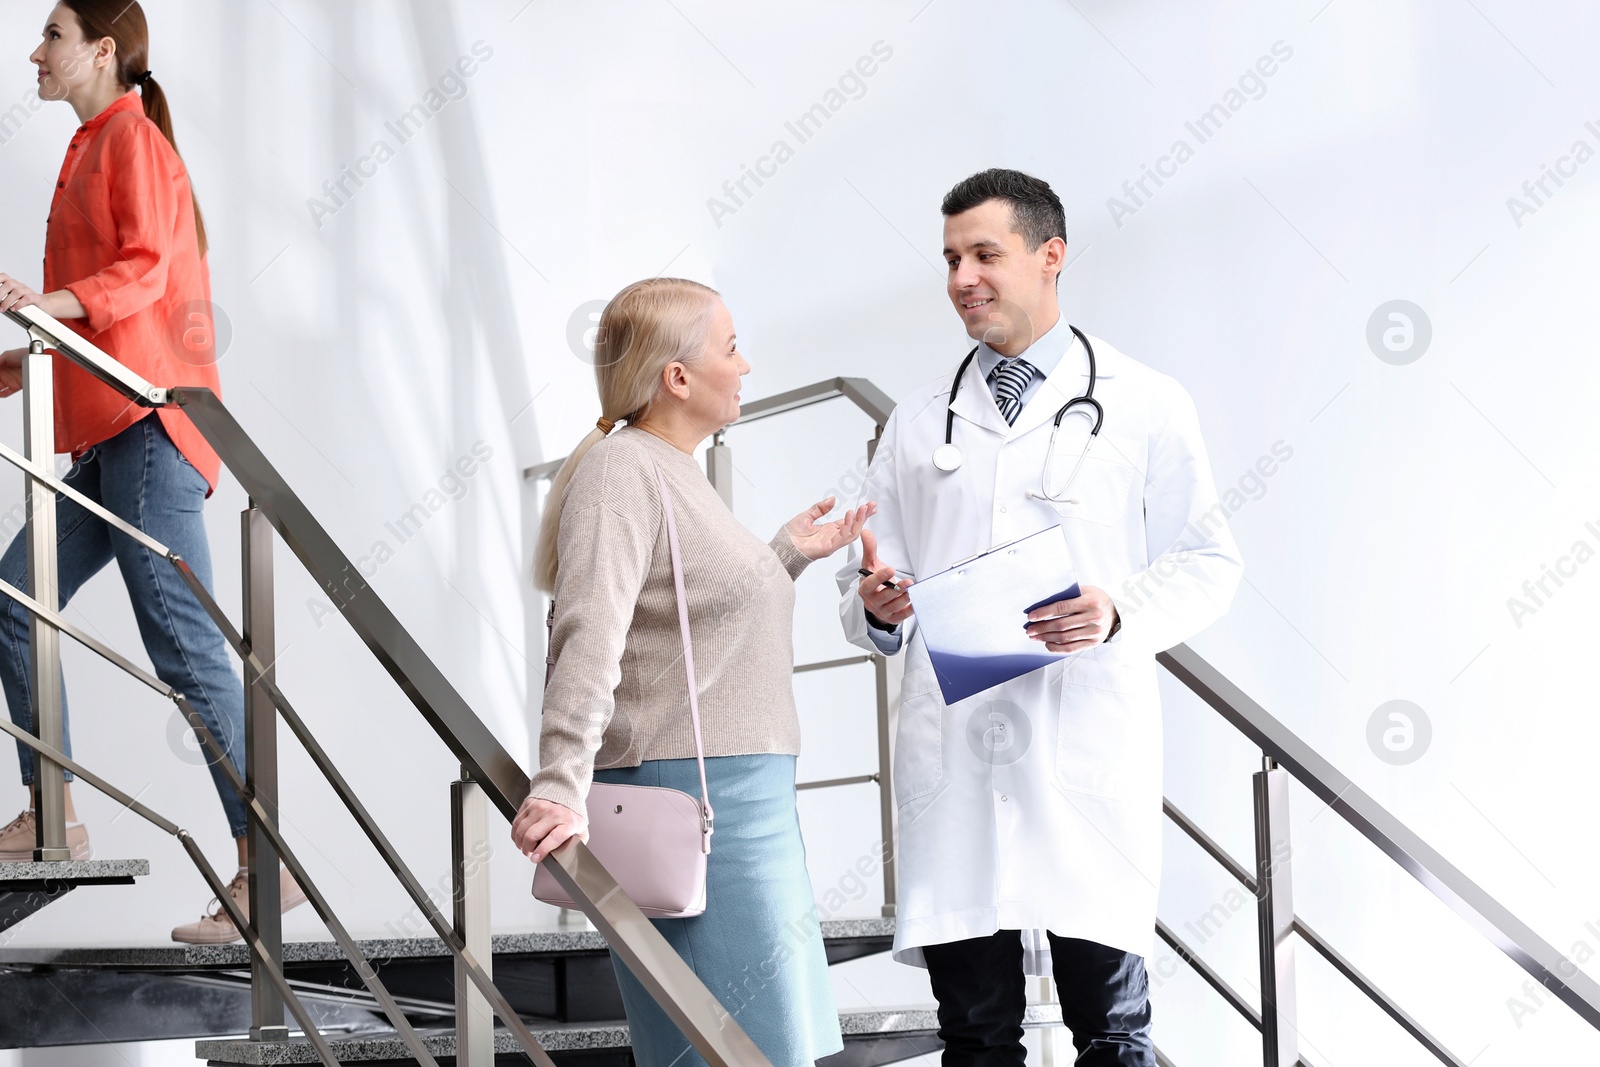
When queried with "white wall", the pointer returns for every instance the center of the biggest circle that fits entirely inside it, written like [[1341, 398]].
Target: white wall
[[434, 309]]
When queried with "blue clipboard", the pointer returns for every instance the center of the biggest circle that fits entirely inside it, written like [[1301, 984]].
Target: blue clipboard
[[971, 615]]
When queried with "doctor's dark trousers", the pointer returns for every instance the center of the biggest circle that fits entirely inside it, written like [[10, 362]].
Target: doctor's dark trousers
[[1104, 995]]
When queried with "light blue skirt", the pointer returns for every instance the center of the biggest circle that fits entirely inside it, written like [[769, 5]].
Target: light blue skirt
[[758, 947]]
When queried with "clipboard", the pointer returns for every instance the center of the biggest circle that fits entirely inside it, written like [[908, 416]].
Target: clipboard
[[972, 614]]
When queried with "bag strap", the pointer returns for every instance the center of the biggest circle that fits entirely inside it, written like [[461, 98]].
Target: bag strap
[[550, 643], [707, 817]]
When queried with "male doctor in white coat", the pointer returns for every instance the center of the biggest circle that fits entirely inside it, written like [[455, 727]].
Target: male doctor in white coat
[[1030, 814]]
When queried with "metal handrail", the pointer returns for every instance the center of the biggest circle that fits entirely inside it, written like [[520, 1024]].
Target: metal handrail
[[260, 678], [119, 376], [1234, 998], [670, 980], [1211, 848], [1376, 995], [1351, 973], [466, 735], [1440, 877], [267, 821], [652, 959], [859, 391], [854, 779], [258, 950], [829, 783], [825, 665]]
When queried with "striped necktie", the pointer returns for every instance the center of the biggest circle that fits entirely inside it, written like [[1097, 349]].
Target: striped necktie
[[1008, 382]]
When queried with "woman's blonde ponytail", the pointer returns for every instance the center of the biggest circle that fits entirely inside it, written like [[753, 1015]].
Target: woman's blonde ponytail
[[645, 327]]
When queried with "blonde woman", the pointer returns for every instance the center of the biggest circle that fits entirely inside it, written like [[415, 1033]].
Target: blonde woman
[[669, 366]]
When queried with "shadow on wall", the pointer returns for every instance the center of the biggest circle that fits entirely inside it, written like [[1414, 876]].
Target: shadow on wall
[[480, 284], [432, 133]]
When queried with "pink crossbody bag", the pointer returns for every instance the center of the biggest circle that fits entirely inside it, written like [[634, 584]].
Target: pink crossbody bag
[[653, 840]]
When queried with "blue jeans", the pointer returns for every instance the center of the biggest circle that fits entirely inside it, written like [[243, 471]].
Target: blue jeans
[[140, 476]]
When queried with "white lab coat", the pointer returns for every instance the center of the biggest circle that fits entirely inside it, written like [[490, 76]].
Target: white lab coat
[[1036, 805]]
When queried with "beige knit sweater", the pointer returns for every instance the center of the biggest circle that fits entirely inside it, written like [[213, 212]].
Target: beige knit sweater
[[619, 694]]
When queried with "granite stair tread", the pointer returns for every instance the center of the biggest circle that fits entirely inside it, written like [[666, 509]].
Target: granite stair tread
[[28, 887], [183, 957], [554, 1038], [72, 871]]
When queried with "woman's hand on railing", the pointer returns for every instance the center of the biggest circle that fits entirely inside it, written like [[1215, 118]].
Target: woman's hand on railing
[[11, 371], [816, 539], [15, 294], [61, 304], [542, 826]]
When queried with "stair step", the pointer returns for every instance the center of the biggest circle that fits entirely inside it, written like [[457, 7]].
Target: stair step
[[389, 1048], [82, 872], [562, 978], [868, 934], [27, 887]]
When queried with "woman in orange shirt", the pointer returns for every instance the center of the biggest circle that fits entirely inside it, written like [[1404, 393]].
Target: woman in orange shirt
[[125, 266]]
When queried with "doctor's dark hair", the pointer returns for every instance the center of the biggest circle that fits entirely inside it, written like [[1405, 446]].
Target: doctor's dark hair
[[125, 24], [1036, 211], [645, 328]]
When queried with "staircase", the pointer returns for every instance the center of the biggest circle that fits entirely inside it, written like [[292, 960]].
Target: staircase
[[554, 993], [561, 982], [27, 887], [870, 1037]]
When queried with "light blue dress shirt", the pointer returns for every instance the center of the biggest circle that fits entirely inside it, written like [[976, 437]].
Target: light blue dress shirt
[[1045, 356]]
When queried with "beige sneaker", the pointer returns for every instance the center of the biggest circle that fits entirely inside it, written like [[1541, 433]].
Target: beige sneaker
[[217, 929], [19, 836]]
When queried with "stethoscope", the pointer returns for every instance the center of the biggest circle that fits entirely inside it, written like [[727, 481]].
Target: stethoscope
[[947, 457]]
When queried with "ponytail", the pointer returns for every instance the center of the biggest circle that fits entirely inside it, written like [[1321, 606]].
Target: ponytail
[[155, 109], [125, 24], [544, 559]]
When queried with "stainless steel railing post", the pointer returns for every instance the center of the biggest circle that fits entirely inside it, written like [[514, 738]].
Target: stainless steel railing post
[[1275, 916], [261, 776], [469, 877], [39, 437]]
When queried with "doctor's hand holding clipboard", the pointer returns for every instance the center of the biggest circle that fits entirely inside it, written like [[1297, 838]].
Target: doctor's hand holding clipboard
[[1076, 624]]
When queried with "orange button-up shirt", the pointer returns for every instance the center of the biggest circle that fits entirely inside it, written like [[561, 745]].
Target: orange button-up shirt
[[121, 237]]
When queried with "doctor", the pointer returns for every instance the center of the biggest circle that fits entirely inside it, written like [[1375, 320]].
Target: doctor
[[1030, 814]]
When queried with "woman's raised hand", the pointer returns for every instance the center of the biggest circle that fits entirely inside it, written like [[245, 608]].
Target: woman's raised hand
[[817, 539], [542, 826]]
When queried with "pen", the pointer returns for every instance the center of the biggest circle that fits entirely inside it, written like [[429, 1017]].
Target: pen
[[867, 574]]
